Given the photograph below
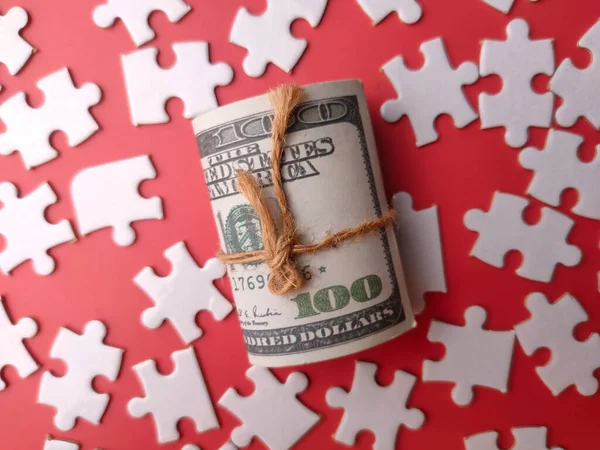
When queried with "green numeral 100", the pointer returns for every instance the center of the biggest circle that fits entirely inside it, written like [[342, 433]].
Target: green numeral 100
[[334, 298]]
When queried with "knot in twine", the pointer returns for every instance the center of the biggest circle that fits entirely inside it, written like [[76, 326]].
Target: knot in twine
[[281, 247]]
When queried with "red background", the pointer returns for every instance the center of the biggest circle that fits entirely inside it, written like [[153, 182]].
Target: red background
[[93, 279]]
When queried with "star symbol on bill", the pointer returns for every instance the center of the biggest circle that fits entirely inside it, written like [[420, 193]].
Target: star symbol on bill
[[322, 269]]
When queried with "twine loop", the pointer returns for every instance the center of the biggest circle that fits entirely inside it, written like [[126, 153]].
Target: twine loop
[[281, 247]]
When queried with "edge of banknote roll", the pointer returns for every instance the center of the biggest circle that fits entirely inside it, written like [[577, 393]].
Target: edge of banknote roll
[[354, 296]]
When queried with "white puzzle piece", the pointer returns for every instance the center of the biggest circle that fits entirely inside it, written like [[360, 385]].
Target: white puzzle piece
[[57, 444], [28, 235], [551, 325], [502, 229], [426, 93], [193, 79], [558, 167], [268, 38], [370, 406], [65, 108], [170, 398], [517, 61], [107, 196], [190, 447], [180, 296], [87, 357], [272, 413], [135, 14], [14, 50], [526, 438], [501, 5], [474, 356], [409, 11], [420, 245], [228, 446], [579, 88], [13, 351]]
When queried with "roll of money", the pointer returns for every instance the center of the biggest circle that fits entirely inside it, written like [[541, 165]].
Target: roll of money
[[354, 295]]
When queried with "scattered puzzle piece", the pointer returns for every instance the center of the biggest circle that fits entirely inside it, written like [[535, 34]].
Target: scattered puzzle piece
[[526, 438], [188, 290], [516, 60], [551, 325], [421, 249], [501, 5], [268, 38], [28, 235], [474, 356], [66, 109], [558, 167], [370, 406], [542, 245], [135, 14], [14, 50], [57, 444], [426, 93], [87, 357], [193, 79], [272, 413], [107, 196], [579, 88], [13, 351], [409, 11], [170, 398]]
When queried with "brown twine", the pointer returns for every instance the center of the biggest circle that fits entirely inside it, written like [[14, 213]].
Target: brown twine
[[279, 249]]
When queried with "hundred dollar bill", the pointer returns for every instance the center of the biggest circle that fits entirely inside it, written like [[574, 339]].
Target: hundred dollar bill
[[354, 296]]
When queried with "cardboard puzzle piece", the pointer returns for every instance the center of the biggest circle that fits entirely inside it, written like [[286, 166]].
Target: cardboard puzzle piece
[[474, 356], [169, 398], [409, 11], [526, 438], [135, 15], [517, 60], [542, 245], [579, 88], [87, 357], [193, 79], [107, 196], [501, 5], [28, 235], [558, 167], [370, 406], [418, 234], [426, 93], [57, 444], [14, 50], [551, 325], [272, 413], [268, 38], [13, 351], [180, 296], [65, 108]]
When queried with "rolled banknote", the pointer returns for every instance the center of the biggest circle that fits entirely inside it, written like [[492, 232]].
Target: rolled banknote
[[354, 295]]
